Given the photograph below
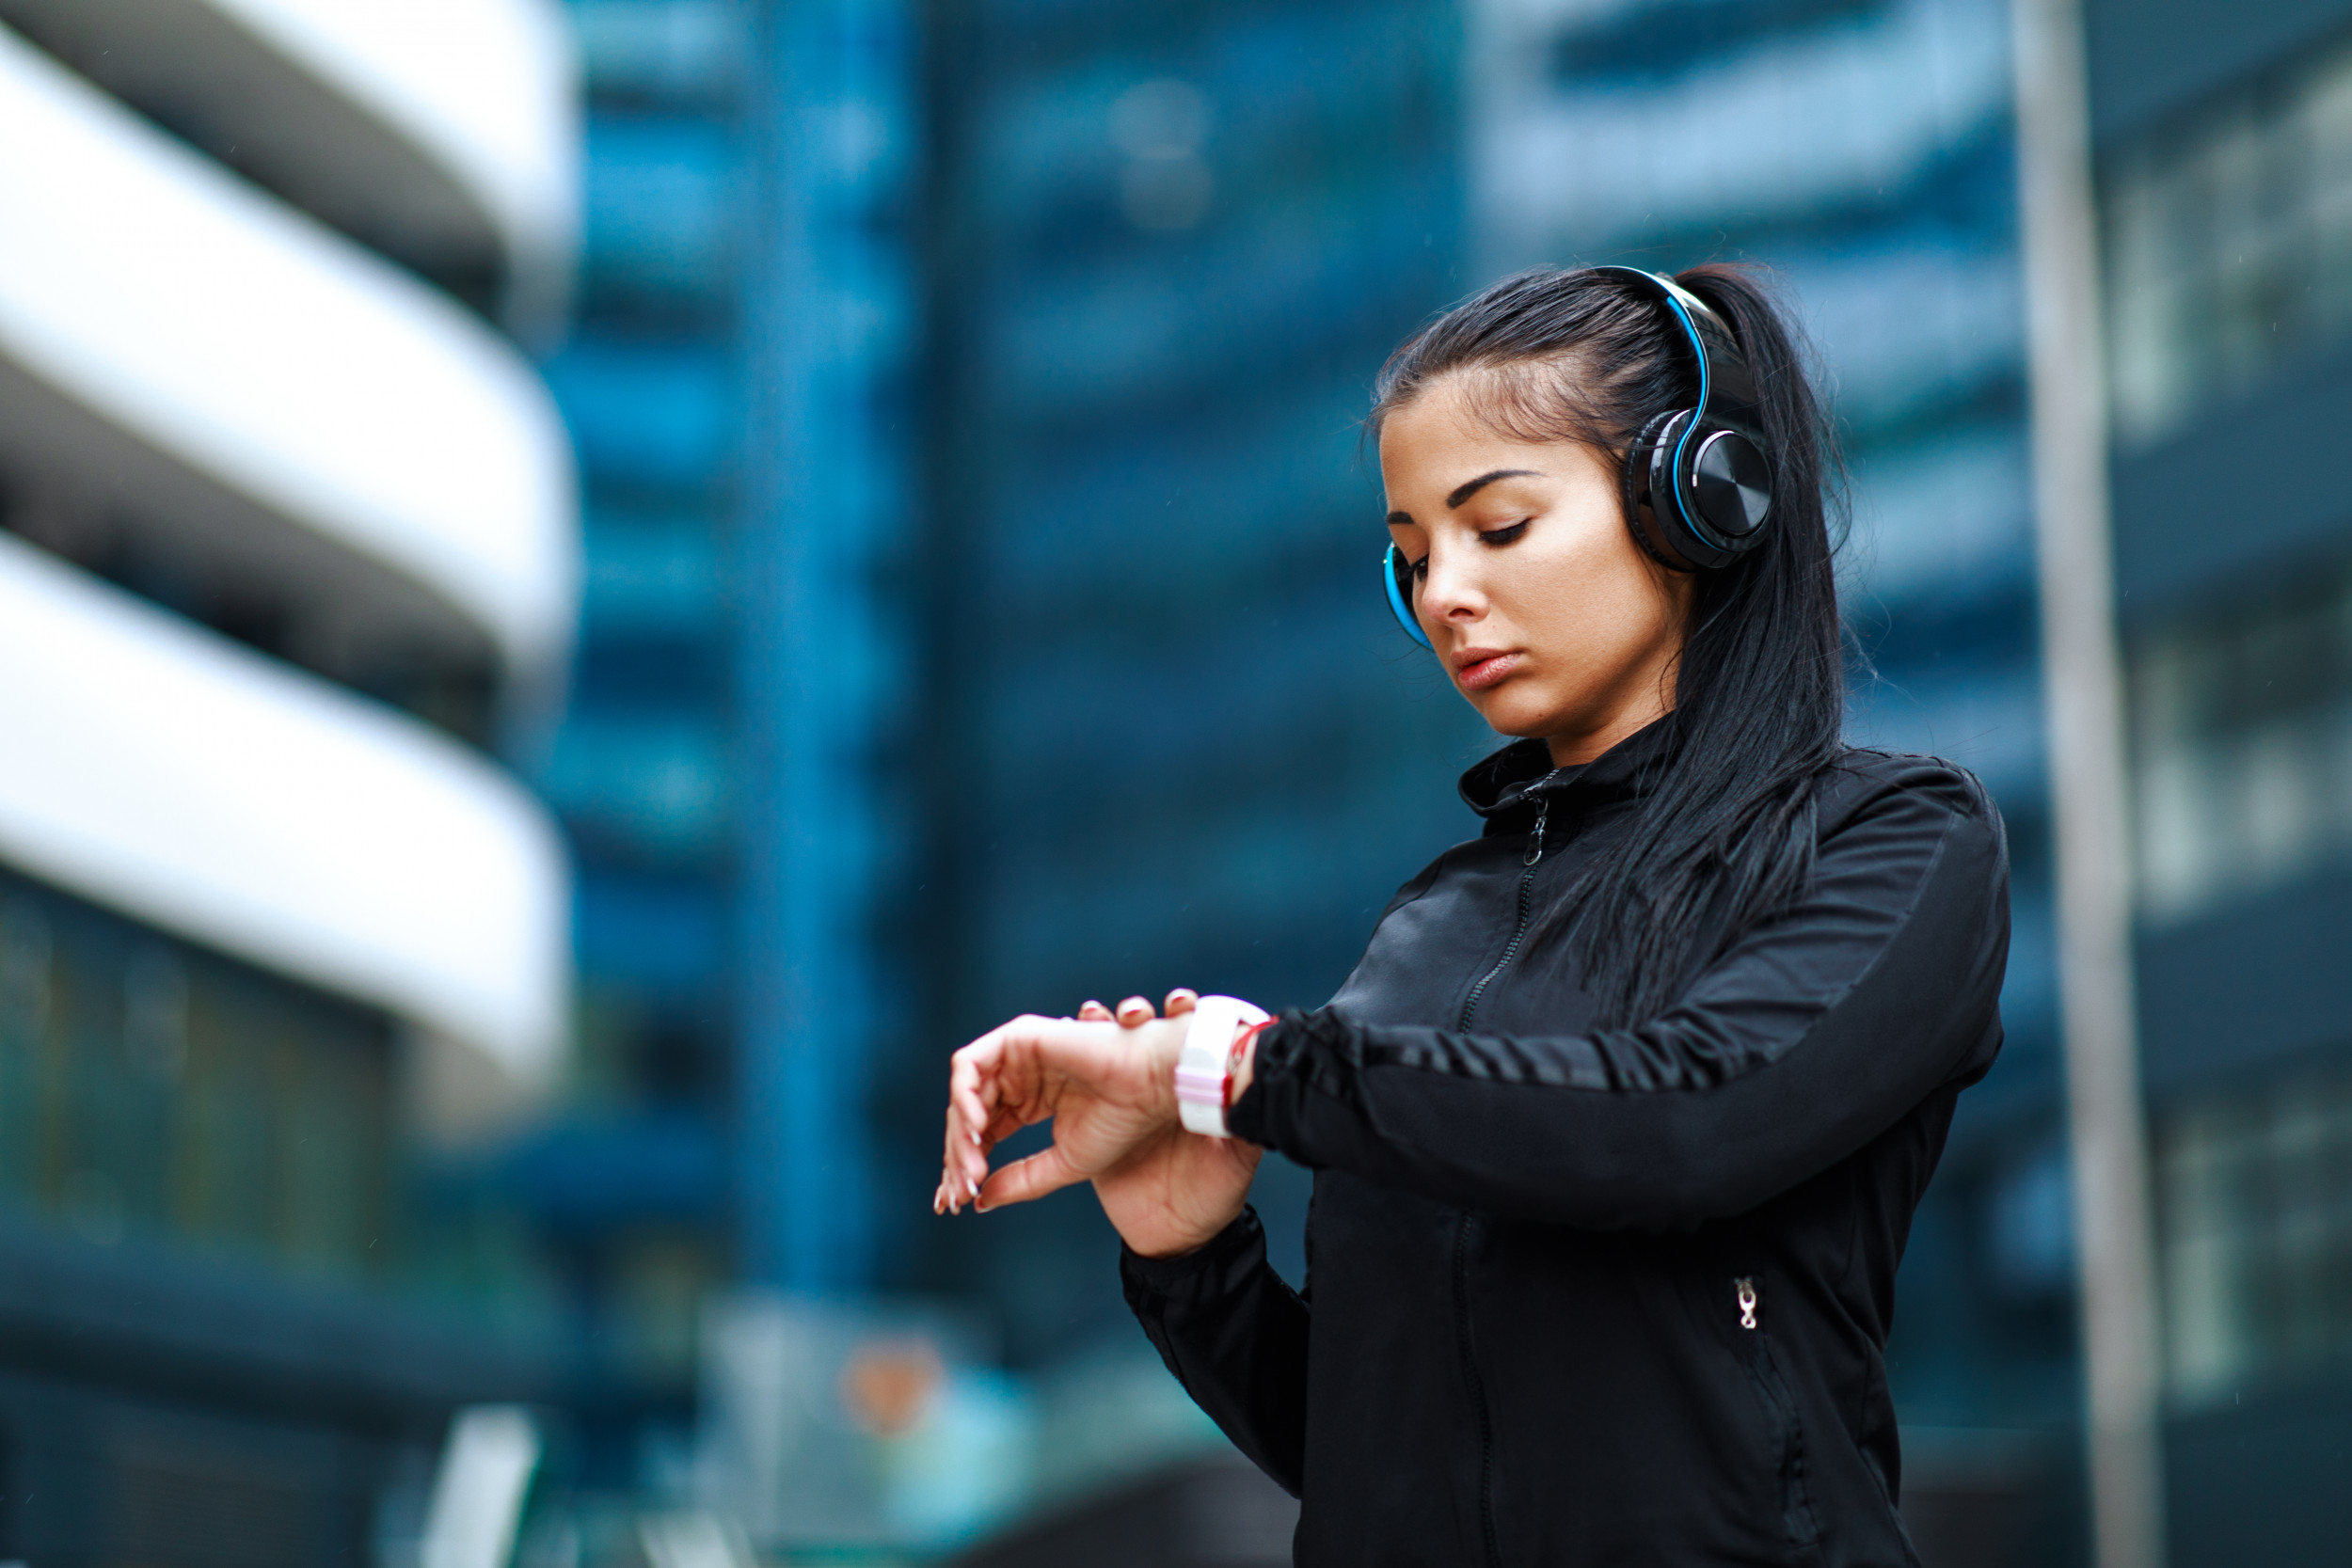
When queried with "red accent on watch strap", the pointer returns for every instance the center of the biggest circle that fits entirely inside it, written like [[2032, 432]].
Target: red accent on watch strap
[[1244, 1041]]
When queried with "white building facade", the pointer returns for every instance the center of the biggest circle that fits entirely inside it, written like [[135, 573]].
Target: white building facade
[[288, 549]]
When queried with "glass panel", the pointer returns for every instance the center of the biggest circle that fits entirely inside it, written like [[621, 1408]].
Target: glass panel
[[2255, 1208], [150, 1089], [2229, 243], [2242, 728]]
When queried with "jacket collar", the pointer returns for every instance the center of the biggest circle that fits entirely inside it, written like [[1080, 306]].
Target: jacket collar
[[1507, 783]]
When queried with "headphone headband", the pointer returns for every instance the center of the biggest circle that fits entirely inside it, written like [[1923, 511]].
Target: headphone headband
[[1726, 391], [1703, 467]]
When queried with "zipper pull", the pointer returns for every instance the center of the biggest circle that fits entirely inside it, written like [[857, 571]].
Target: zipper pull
[[1535, 844], [1746, 1289]]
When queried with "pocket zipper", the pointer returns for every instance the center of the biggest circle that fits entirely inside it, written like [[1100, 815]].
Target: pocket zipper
[[1744, 1288]]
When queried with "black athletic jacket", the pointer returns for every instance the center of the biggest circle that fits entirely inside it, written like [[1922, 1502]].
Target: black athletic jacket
[[1583, 1297]]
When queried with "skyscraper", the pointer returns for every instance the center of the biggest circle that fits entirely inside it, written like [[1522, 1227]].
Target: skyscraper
[[733, 379], [1173, 738], [2224, 147]]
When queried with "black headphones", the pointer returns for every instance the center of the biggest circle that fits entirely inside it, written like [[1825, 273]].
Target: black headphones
[[1697, 489]]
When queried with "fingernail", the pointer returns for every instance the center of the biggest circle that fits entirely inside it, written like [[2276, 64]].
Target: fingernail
[[973, 1190]]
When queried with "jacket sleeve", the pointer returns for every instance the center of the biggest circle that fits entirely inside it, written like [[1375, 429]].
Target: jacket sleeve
[[1807, 1037], [1235, 1336]]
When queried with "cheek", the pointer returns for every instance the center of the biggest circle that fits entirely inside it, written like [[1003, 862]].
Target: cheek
[[1588, 599]]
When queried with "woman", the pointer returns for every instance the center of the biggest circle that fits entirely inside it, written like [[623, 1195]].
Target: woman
[[1620, 1123]]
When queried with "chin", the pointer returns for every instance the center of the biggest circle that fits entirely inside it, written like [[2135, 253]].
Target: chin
[[1519, 719]]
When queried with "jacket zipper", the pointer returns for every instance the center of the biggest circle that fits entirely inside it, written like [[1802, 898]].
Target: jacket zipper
[[1465, 1226], [1527, 907]]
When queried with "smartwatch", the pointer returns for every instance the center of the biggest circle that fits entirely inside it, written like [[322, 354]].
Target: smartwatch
[[1204, 1068]]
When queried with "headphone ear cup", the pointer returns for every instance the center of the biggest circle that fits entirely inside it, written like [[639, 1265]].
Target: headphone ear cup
[[1731, 485], [1393, 578], [1645, 516]]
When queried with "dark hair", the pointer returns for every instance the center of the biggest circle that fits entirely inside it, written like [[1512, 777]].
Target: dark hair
[[1759, 690]]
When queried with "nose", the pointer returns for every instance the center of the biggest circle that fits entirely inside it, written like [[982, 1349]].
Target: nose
[[1449, 591]]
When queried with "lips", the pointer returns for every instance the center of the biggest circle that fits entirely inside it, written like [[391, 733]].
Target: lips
[[1476, 669]]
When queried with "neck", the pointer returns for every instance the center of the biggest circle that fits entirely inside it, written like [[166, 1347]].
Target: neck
[[1574, 749], [1648, 699]]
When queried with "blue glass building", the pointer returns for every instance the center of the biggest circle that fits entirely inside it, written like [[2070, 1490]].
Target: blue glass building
[[633, 1187], [730, 380], [1172, 736], [2224, 156]]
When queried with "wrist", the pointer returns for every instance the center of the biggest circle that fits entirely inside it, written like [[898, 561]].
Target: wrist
[[1241, 1069], [1205, 1068], [1164, 1044]]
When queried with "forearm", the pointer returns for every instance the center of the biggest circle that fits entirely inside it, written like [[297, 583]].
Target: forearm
[[1235, 1336], [1575, 1152], [1808, 1038]]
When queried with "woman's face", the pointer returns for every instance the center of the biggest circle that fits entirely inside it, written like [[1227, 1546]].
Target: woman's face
[[1547, 616]]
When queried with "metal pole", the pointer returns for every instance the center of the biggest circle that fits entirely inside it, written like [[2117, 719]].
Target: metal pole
[[2082, 679]]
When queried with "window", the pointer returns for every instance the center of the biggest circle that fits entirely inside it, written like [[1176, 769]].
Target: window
[[151, 1089], [2254, 1201], [2229, 243], [2243, 734]]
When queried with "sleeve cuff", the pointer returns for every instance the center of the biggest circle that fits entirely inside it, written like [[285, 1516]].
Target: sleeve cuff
[[1228, 1257], [1278, 1044]]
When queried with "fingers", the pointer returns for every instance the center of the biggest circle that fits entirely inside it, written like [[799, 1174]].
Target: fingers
[[1025, 1180], [972, 1089], [972, 1096], [950, 1199], [954, 1191], [1022, 1073], [959, 1177], [978, 1111], [1136, 1009], [957, 1184]]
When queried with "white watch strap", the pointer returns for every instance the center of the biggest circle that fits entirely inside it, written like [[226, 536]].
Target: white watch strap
[[1201, 1065]]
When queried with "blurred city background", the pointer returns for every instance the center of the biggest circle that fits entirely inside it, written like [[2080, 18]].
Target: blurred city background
[[588, 589]]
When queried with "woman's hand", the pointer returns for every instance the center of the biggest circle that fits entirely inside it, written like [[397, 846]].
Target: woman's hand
[[1108, 1086]]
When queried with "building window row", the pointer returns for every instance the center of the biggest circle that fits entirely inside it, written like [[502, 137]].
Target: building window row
[[151, 1089], [2254, 1199], [2229, 243], [2242, 733]]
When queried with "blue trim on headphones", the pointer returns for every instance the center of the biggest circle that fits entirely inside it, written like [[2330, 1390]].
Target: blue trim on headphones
[[1396, 601], [1689, 428], [1670, 293]]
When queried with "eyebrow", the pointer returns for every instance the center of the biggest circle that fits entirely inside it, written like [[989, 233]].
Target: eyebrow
[[1465, 491]]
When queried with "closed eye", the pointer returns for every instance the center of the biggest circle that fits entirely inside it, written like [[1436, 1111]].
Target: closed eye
[[1501, 536]]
